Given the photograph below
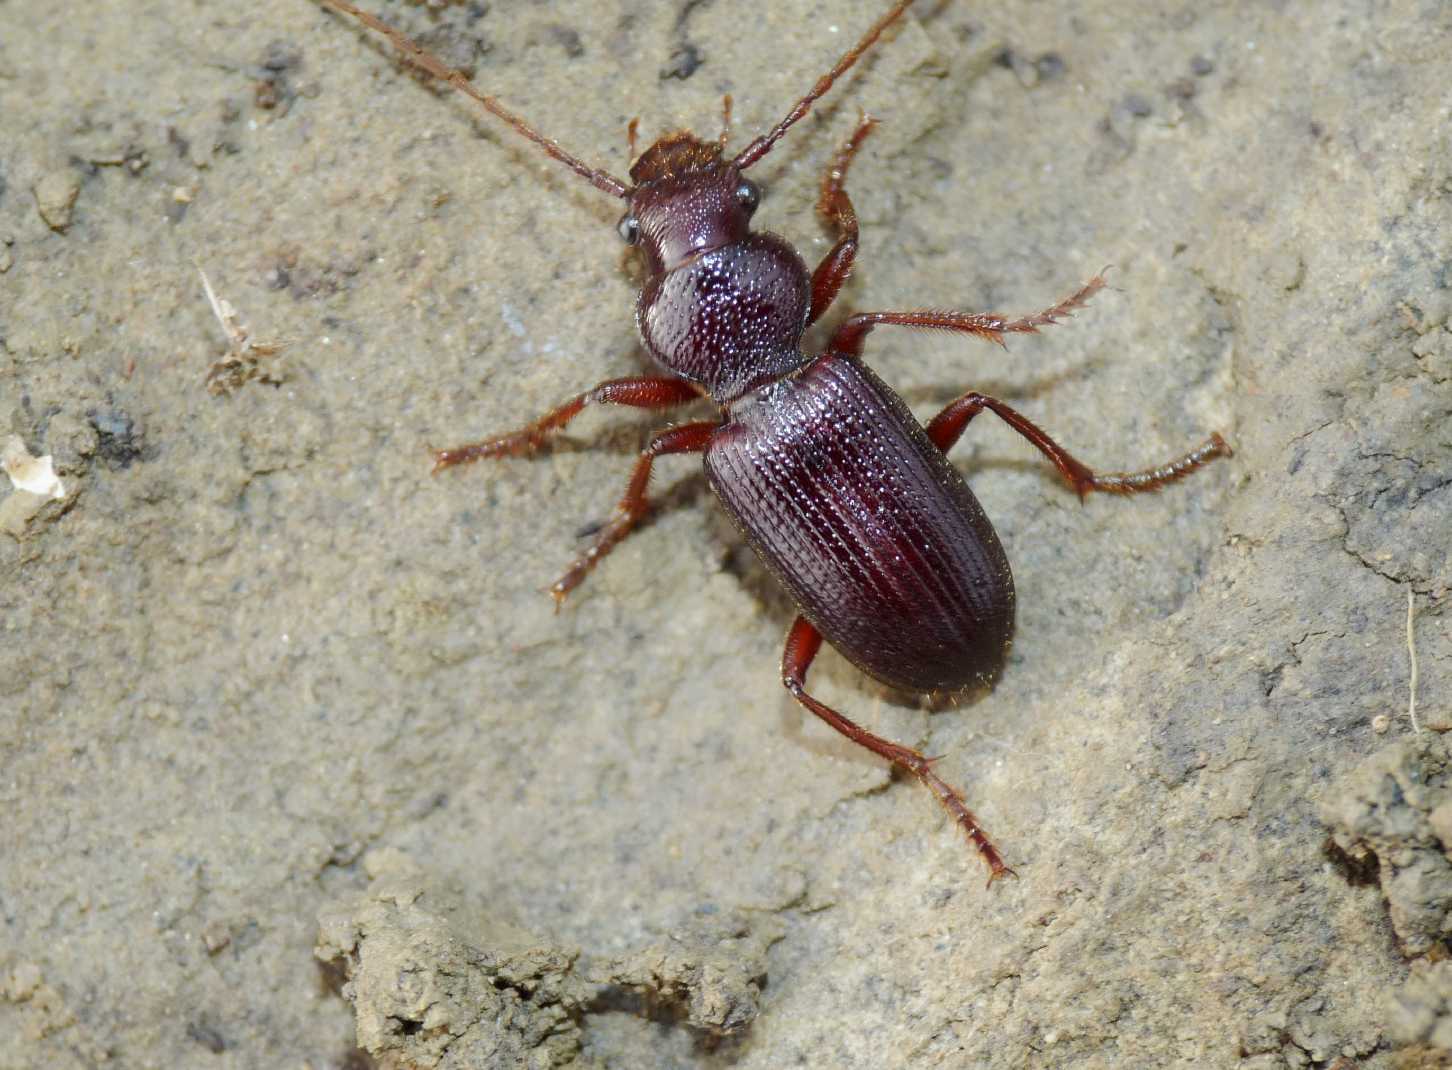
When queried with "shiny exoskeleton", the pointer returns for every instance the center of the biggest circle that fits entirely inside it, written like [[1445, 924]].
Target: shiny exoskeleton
[[846, 498]]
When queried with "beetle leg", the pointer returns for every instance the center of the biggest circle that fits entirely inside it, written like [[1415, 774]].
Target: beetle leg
[[640, 393], [835, 205], [802, 644], [949, 424], [990, 325], [687, 438]]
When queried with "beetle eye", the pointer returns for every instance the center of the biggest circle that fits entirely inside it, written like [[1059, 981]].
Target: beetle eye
[[629, 228], [748, 195]]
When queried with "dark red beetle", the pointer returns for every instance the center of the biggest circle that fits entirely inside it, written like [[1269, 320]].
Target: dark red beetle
[[850, 503]]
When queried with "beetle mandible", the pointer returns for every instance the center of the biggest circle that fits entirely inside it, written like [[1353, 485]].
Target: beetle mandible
[[848, 501]]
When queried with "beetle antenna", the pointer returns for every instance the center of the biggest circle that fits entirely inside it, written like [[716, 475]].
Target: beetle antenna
[[415, 54], [762, 145]]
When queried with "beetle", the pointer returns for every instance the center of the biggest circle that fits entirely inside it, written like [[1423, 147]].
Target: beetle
[[845, 497]]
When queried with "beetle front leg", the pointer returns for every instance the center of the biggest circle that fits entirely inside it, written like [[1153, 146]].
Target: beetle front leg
[[641, 393], [836, 206], [802, 644], [946, 428], [687, 438]]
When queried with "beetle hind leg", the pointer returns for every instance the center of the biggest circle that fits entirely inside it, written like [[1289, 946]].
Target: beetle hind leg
[[948, 426], [802, 645]]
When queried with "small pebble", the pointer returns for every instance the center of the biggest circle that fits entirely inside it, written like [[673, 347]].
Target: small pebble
[[216, 935], [55, 196]]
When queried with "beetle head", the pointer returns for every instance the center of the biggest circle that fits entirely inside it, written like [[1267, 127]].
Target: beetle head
[[686, 200]]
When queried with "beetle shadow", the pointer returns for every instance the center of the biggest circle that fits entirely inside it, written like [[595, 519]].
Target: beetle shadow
[[1010, 390], [1014, 393], [682, 494], [737, 558]]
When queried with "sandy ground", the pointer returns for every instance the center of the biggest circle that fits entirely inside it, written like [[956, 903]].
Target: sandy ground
[[295, 755]]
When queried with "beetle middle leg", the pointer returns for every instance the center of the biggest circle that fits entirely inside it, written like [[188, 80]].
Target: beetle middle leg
[[836, 206], [946, 428], [849, 337], [656, 392], [803, 642], [687, 438]]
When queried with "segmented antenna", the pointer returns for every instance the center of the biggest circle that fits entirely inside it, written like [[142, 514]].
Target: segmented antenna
[[415, 54], [762, 145]]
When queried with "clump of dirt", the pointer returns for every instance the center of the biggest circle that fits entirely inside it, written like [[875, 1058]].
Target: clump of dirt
[[439, 982]]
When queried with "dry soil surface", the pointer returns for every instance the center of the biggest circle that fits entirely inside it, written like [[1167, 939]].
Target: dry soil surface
[[298, 767]]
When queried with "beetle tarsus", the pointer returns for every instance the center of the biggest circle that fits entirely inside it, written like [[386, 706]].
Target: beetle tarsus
[[1000, 870], [991, 326], [516, 445], [1165, 474]]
